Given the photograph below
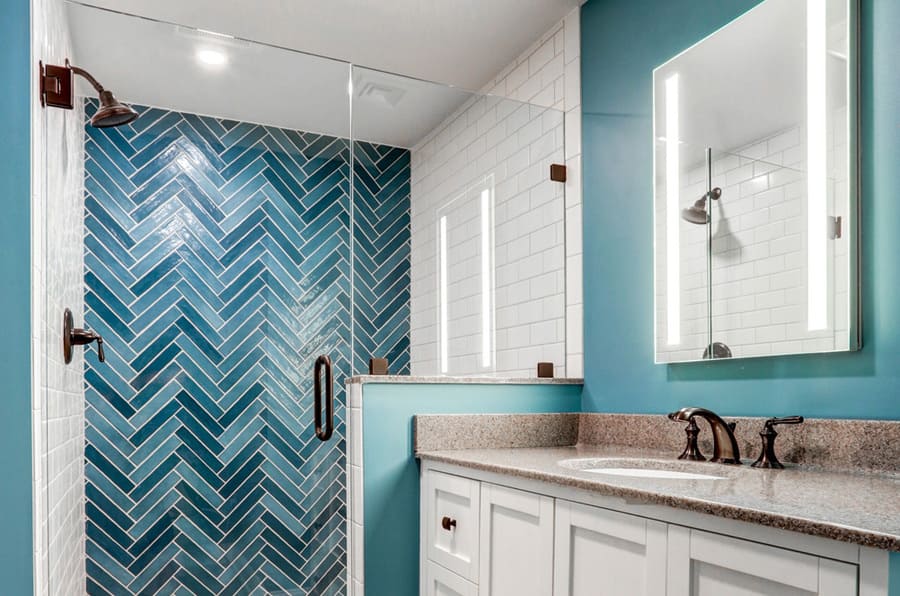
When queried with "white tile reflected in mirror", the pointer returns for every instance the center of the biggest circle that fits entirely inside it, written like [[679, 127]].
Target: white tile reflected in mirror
[[755, 187]]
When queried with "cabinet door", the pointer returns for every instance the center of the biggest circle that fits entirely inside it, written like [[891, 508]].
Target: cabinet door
[[441, 582], [450, 519], [704, 564], [516, 543], [604, 552]]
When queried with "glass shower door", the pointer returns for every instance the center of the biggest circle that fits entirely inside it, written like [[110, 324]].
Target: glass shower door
[[217, 270]]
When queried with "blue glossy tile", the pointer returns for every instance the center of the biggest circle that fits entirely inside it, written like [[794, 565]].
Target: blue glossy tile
[[217, 257]]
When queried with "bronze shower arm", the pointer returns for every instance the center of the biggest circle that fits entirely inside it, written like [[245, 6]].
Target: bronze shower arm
[[86, 75]]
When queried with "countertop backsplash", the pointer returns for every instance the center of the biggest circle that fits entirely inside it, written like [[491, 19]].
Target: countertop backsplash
[[847, 445]]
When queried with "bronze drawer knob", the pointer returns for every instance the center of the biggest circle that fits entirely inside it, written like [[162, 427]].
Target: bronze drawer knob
[[448, 523]]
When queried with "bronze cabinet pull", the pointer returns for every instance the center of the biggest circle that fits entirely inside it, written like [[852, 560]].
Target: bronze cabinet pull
[[325, 433], [447, 523]]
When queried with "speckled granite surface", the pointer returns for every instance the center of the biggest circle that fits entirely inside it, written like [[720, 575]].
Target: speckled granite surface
[[851, 445], [462, 380], [487, 431], [836, 445], [857, 508]]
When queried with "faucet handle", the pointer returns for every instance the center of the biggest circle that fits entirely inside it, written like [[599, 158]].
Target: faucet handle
[[101, 356], [786, 420], [767, 457], [692, 449]]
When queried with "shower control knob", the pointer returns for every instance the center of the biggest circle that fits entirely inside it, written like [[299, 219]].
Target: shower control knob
[[75, 336]]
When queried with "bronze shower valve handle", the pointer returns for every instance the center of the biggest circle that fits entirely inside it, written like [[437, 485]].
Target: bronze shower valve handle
[[75, 336]]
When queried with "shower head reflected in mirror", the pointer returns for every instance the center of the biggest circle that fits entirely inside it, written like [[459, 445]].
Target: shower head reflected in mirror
[[58, 91], [697, 213]]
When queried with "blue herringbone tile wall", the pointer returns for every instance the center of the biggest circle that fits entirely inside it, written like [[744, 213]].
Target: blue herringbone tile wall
[[217, 267], [381, 239]]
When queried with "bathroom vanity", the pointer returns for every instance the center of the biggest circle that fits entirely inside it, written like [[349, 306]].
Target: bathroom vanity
[[616, 520]]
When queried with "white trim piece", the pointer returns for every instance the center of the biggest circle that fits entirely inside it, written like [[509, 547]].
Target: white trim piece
[[874, 572], [354, 493]]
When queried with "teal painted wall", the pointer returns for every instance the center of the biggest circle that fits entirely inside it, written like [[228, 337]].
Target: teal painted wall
[[621, 42], [894, 571], [15, 248], [391, 473]]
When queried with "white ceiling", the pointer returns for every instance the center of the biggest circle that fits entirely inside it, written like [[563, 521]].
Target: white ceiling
[[460, 42]]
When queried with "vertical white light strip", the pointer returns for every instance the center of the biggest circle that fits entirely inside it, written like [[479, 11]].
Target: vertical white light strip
[[443, 291], [487, 275], [816, 93], [673, 182]]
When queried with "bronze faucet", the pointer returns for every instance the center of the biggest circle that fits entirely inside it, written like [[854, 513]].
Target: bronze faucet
[[725, 445]]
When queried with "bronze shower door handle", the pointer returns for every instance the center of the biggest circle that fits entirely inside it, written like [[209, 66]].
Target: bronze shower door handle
[[325, 433]]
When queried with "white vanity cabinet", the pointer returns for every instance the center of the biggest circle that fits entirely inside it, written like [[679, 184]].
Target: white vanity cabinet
[[441, 582], [599, 551], [706, 564], [535, 538], [516, 545], [450, 506]]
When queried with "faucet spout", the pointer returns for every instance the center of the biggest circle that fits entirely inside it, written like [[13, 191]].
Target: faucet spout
[[725, 445]]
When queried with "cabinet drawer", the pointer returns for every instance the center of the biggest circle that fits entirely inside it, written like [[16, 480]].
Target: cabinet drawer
[[451, 523], [440, 582]]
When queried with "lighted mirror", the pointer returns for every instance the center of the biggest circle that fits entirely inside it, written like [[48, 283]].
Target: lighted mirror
[[755, 187]]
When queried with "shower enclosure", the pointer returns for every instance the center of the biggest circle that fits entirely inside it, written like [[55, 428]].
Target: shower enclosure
[[269, 213]]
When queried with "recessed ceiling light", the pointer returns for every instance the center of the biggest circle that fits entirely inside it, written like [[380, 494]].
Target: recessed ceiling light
[[211, 57]]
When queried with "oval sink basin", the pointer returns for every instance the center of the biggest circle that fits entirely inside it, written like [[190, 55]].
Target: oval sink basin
[[643, 468], [645, 473]]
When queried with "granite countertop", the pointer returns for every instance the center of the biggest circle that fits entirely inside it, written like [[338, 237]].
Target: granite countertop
[[428, 380], [862, 508]]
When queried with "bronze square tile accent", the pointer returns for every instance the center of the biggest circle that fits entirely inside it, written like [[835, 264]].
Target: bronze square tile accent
[[557, 172], [545, 370], [378, 366]]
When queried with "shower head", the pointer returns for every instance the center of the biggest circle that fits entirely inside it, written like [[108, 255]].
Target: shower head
[[112, 112], [697, 213], [58, 90]]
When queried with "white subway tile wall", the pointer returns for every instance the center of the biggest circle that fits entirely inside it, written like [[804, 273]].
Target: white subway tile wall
[[354, 485], [57, 274], [759, 264], [507, 146]]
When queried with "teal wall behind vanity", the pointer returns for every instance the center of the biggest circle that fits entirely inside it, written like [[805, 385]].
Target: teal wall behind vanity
[[15, 248], [894, 589], [391, 473], [621, 42]]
